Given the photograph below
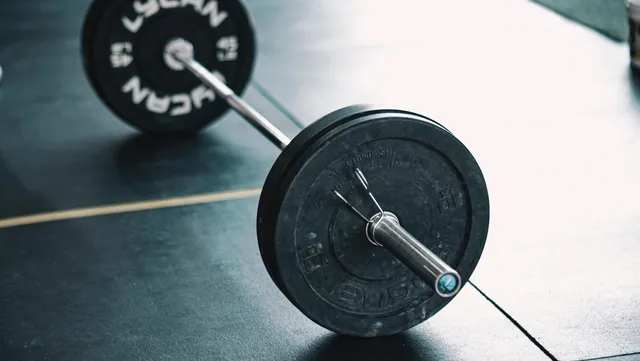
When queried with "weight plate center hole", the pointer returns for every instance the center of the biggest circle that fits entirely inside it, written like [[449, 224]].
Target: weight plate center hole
[[177, 46], [362, 257]]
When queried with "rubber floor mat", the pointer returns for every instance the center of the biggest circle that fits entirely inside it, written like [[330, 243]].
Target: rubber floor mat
[[608, 17]]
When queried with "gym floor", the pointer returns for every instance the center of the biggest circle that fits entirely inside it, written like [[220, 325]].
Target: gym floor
[[116, 247]]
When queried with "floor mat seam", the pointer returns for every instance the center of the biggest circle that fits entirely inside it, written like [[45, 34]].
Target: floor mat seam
[[516, 323], [276, 103]]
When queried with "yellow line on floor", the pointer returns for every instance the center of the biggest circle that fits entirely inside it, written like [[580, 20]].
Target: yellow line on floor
[[129, 207]]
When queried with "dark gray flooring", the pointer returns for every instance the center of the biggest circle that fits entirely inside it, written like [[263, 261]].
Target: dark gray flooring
[[189, 284], [85, 157], [547, 108]]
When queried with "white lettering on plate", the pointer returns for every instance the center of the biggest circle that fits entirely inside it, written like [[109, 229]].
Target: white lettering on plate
[[149, 8], [175, 104], [121, 55]]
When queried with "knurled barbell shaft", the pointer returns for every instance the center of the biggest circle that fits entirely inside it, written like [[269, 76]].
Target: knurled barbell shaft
[[245, 110], [387, 231]]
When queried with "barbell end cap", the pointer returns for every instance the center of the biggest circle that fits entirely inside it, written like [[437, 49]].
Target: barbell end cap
[[448, 284]]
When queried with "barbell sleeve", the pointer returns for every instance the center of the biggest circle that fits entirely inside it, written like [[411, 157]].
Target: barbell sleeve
[[385, 229]]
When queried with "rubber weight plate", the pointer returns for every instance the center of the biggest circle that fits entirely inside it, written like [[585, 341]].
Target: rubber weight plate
[[315, 248], [123, 51]]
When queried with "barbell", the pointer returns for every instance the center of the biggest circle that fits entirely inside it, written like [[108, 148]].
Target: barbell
[[370, 220]]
